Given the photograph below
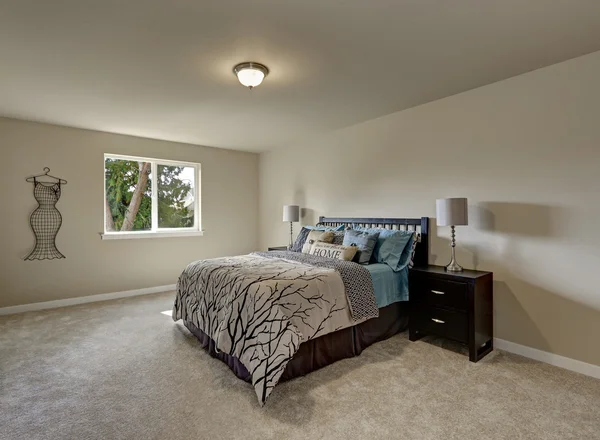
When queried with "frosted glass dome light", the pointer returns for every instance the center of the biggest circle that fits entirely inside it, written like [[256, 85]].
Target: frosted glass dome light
[[251, 74]]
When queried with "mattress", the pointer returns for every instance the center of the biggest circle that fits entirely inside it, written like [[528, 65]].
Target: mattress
[[389, 286]]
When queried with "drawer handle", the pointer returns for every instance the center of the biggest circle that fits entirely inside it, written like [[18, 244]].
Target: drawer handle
[[437, 292], [439, 321]]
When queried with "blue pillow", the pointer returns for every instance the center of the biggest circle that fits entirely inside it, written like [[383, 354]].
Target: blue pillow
[[392, 247], [409, 251], [364, 241]]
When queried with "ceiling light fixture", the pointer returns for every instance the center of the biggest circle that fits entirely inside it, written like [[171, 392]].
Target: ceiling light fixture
[[251, 74]]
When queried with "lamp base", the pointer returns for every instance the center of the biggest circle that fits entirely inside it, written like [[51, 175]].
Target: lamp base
[[453, 266]]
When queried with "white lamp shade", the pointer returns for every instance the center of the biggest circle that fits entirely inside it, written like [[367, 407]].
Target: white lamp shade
[[452, 212], [291, 213]]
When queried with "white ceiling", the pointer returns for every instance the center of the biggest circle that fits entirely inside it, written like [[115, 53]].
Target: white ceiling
[[162, 68]]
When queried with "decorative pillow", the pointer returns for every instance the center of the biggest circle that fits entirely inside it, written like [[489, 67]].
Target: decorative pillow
[[412, 246], [314, 236], [364, 241], [301, 238], [338, 237], [335, 251], [390, 246]]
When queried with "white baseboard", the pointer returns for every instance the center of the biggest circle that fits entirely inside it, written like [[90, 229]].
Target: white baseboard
[[83, 299], [549, 358]]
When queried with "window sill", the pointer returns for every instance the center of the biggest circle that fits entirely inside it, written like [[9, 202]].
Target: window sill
[[136, 235]]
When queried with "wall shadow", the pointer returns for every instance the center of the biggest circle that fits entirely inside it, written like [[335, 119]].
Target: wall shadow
[[308, 216], [534, 315], [522, 219], [522, 326], [466, 254], [299, 198]]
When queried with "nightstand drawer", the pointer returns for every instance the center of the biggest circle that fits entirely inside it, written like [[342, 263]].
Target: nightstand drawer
[[443, 293], [442, 322]]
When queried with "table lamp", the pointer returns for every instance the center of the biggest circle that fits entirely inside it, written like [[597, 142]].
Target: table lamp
[[291, 213], [452, 212]]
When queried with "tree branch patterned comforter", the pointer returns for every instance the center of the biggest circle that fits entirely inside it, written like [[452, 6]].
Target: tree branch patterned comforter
[[261, 307]]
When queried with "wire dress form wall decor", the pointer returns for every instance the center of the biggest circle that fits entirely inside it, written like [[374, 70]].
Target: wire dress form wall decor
[[45, 221]]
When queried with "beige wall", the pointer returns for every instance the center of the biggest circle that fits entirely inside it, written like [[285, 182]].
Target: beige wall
[[525, 151], [93, 266]]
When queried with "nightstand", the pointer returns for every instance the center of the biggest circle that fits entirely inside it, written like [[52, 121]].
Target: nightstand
[[454, 305], [278, 248]]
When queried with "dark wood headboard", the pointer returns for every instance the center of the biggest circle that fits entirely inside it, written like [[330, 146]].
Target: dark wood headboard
[[419, 225]]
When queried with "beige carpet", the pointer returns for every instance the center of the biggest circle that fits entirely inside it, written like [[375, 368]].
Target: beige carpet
[[123, 370]]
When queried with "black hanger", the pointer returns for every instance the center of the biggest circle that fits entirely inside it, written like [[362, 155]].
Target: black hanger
[[33, 179]]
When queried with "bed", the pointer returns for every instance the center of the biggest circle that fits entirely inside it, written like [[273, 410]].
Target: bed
[[278, 315]]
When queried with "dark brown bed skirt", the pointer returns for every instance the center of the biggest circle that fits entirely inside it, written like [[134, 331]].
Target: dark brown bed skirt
[[327, 349]]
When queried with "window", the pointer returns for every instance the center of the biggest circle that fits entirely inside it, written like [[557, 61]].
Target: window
[[150, 197]]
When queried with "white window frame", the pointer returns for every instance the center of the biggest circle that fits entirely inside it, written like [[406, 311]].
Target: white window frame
[[156, 232]]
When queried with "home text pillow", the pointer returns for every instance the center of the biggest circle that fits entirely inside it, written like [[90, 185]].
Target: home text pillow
[[364, 241], [335, 251], [314, 236], [301, 238], [390, 247]]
